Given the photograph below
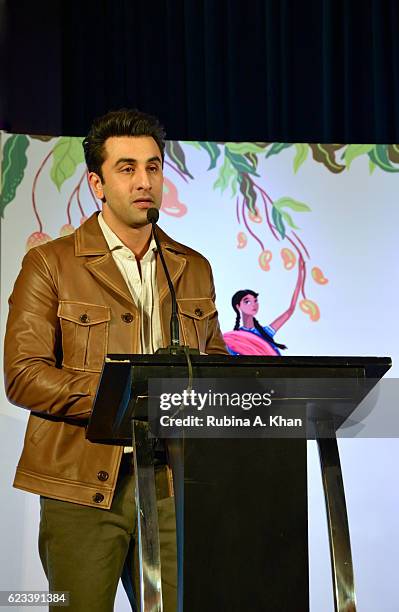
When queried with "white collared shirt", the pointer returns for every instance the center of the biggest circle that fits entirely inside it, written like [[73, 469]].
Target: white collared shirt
[[143, 288]]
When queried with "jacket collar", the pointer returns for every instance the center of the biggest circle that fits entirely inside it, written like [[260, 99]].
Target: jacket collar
[[89, 239], [90, 242]]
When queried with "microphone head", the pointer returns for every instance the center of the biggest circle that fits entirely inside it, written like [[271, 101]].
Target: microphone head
[[152, 215]]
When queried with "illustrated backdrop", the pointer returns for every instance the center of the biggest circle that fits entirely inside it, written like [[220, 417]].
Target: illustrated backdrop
[[259, 212]]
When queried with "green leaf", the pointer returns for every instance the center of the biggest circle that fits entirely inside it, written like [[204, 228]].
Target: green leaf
[[248, 191], [325, 154], [212, 149], [192, 143], [234, 185], [302, 151], [278, 222], [379, 156], [286, 202], [226, 173], [42, 137], [288, 219], [355, 150], [372, 166], [241, 148], [239, 162], [277, 147], [176, 154], [252, 158], [68, 154], [393, 153], [12, 168]]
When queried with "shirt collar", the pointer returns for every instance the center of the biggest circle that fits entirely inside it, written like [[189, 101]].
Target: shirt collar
[[114, 242]]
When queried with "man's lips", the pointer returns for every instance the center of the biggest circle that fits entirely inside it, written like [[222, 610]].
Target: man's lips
[[143, 203]]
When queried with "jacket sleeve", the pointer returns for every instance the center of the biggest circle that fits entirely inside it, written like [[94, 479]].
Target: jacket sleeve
[[214, 343], [34, 378]]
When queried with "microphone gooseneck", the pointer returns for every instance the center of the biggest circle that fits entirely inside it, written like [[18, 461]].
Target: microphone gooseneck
[[152, 217]]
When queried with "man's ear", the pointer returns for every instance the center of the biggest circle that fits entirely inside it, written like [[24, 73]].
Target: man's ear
[[96, 185]]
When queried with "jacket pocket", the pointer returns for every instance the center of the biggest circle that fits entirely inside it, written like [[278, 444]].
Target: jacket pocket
[[84, 329], [194, 314]]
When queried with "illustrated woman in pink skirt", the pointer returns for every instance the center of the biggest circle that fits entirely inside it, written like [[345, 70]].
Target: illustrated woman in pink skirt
[[249, 336]]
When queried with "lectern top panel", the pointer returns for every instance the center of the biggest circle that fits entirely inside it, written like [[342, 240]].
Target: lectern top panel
[[373, 367], [126, 381]]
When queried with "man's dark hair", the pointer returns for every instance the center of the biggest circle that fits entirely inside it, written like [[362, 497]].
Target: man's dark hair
[[123, 122]]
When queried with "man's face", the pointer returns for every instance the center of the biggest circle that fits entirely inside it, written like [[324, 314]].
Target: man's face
[[132, 179]]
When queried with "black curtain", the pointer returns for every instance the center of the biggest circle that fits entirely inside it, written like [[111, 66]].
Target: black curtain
[[267, 70]]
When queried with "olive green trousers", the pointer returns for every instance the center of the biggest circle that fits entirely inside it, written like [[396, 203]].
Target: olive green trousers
[[86, 550]]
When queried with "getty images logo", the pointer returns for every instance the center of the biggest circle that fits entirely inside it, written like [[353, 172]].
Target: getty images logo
[[199, 401]]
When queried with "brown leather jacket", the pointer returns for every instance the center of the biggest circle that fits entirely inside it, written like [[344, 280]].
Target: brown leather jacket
[[67, 311]]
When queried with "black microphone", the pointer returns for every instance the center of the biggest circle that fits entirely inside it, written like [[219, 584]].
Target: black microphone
[[152, 217]]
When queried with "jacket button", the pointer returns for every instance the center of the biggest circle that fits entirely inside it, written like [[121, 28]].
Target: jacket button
[[98, 498], [198, 312], [84, 318], [127, 317], [102, 475]]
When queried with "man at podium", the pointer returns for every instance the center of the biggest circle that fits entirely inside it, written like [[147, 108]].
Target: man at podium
[[100, 290]]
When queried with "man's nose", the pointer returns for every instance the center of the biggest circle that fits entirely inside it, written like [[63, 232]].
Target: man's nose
[[142, 179]]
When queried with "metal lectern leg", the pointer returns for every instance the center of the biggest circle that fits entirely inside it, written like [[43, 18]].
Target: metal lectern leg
[[147, 520], [175, 448], [337, 518]]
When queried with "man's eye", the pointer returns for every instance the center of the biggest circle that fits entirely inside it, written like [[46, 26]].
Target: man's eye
[[153, 168], [128, 170]]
